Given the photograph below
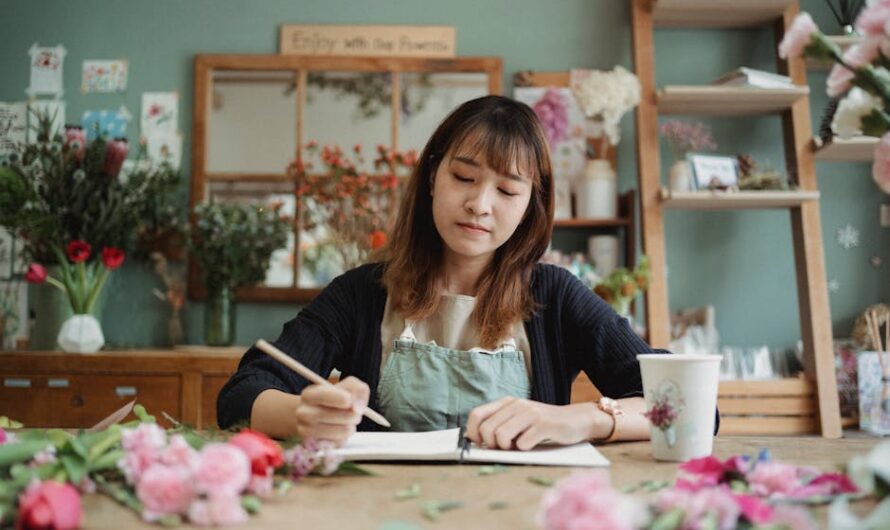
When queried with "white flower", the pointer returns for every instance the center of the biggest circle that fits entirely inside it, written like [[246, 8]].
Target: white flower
[[606, 94], [857, 104]]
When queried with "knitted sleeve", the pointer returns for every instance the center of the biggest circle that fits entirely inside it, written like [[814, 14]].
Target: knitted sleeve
[[315, 337]]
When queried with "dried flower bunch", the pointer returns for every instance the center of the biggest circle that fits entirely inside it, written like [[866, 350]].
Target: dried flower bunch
[[61, 188], [687, 136], [606, 94]]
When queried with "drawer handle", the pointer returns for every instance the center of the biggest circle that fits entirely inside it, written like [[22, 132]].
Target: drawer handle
[[123, 391], [10, 382], [58, 383]]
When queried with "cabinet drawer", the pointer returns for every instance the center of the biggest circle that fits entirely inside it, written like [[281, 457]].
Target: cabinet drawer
[[74, 401]]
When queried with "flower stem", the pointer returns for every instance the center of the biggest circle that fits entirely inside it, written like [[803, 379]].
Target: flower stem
[[97, 288]]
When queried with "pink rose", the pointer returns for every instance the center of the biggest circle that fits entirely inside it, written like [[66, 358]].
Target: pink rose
[[873, 18], [49, 505], [221, 470], [880, 169], [164, 490], [769, 479], [798, 36], [586, 502], [217, 511], [698, 504]]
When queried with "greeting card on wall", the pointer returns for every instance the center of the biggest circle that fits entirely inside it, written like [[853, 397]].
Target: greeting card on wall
[[104, 76], [13, 123], [160, 112], [110, 123], [46, 70], [54, 110], [164, 147]]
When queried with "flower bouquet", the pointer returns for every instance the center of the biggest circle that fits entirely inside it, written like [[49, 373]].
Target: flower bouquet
[[80, 282], [860, 77], [622, 285], [606, 96], [345, 212], [166, 476], [233, 244], [741, 492]]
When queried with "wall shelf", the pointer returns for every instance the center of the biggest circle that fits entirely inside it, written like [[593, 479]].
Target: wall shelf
[[727, 101], [590, 223], [735, 200], [717, 13], [859, 149]]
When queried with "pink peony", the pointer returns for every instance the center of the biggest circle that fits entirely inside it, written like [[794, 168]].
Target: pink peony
[[825, 485], [873, 18], [587, 502], [178, 452], [164, 490], [699, 504], [754, 509], [798, 36], [880, 169], [793, 518], [49, 505], [222, 511], [221, 470], [769, 479]]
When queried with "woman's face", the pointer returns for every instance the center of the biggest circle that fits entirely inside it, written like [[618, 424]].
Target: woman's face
[[476, 209]]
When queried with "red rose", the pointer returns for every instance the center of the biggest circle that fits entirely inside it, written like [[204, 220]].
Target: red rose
[[262, 451], [78, 251], [36, 273], [378, 239], [49, 505], [112, 257]]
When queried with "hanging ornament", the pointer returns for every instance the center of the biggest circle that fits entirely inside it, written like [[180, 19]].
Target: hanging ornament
[[848, 237]]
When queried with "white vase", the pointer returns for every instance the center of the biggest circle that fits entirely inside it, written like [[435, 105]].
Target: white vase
[[596, 192], [81, 334], [680, 176]]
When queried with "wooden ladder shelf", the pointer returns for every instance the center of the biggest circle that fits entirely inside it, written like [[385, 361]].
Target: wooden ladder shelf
[[775, 407]]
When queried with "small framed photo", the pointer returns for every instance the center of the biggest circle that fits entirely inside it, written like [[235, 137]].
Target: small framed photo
[[714, 172]]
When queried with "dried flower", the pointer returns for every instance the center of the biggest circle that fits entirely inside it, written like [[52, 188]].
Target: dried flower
[[684, 137], [607, 95], [553, 115]]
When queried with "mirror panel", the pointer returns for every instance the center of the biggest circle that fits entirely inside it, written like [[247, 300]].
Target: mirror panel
[[251, 122], [427, 97]]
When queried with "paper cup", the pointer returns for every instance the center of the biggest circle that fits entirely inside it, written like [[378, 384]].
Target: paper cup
[[681, 397]]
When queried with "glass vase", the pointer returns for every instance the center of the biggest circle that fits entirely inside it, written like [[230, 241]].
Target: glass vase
[[219, 317]]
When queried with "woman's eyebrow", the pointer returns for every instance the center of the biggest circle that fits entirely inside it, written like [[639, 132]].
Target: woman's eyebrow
[[472, 162]]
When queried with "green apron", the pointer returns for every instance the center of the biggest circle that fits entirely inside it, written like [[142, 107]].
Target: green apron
[[425, 387]]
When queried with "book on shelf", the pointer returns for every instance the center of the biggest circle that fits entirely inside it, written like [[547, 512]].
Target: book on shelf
[[447, 446], [745, 76]]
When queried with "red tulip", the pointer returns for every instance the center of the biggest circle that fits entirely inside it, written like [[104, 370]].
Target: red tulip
[[36, 273], [262, 451], [49, 505], [112, 257], [78, 251], [378, 239], [115, 154]]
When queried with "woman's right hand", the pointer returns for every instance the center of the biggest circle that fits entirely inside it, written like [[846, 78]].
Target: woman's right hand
[[332, 413]]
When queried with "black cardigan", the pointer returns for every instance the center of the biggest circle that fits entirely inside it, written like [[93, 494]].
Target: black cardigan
[[574, 330]]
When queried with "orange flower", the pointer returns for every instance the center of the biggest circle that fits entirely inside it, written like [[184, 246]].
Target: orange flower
[[378, 239]]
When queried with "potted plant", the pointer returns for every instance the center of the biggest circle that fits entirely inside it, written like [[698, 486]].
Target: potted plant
[[233, 244], [623, 285]]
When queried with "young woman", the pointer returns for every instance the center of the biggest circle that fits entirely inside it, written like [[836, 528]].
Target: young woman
[[459, 325]]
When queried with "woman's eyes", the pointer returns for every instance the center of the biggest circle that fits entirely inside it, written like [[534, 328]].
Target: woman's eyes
[[503, 191]]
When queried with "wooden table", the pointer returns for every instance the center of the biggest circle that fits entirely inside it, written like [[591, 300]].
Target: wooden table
[[367, 502]]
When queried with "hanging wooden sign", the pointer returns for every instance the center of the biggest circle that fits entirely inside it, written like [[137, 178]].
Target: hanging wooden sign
[[388, 41]]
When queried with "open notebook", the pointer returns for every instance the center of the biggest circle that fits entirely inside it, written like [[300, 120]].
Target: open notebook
[[443, 446]]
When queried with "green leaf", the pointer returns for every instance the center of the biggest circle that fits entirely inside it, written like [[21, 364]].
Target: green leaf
[[653, 485], [170, 520], [283, 486], [398, 525], [491, 470], [410, 492], [20, 451], [75, 467], [668, 521], [498, 505], [143, 415], [709, 522], [109, 438], [541, 481], [432, 510], [251, 503], [76, 446], [107, 461], [348, 468]]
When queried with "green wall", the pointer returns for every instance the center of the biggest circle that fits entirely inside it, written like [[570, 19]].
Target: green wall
[[742, 262]]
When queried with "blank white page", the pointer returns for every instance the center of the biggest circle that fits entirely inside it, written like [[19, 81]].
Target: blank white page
[[432, 445], [580, 455]]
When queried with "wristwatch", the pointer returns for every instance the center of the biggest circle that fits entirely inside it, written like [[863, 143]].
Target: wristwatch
[[612, 408]]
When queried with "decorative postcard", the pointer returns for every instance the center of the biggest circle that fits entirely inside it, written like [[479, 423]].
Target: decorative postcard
[[55, 110], [164, 147], [110, 123], [13, 124], [104, 76], [46, 70], [160, 112]]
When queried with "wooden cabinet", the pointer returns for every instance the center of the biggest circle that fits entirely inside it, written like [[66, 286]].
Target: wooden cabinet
[[54, 389]]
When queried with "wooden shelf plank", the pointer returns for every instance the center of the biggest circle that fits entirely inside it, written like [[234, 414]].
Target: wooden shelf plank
[[775, 426], [789, 386], [717, 13], [590, 223], [735, 200], [727, 101], [859, 149], [844, 41]]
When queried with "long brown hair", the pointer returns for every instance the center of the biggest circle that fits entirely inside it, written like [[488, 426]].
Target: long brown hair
[[504, 132]]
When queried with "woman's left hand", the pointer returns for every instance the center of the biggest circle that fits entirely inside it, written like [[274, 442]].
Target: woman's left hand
[[511, 422]]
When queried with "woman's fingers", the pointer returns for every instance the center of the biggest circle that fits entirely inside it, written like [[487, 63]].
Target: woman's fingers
[[480, 414], [333, 396]]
